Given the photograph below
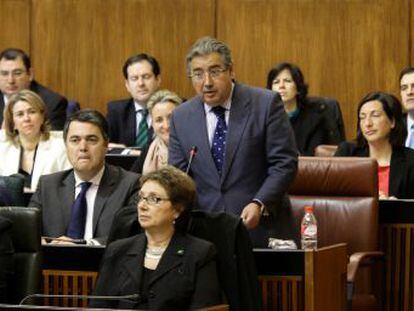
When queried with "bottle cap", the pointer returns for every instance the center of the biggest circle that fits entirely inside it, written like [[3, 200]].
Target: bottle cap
[[308, 209]]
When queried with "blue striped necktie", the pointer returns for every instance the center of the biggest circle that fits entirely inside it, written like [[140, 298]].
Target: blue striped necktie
[[219, 139]]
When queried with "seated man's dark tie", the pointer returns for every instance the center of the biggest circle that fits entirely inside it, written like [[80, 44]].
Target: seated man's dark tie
[[218, 145], [141, 139], [76, 229]]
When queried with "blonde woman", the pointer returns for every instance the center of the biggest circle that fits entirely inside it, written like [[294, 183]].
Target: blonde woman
[[160, 105], [27, 146]]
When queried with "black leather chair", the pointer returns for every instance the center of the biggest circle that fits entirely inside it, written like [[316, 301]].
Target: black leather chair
[[72, 108], [26, 235], [11, 190]]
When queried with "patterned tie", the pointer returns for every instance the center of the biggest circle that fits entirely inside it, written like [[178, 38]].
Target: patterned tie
[[219, 139], [76, 228], [141, 139], [411, 144]]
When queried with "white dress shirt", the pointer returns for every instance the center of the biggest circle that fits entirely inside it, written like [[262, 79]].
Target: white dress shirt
[[410, 122]]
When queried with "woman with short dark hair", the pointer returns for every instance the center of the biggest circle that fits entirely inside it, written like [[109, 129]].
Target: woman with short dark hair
[[164, 267], [308, 116], [381, 136]]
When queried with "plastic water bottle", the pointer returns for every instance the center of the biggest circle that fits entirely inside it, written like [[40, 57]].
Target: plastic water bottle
[[309, 229]]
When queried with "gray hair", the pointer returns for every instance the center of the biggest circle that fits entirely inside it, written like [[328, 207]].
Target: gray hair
[[163, 96], [208, 45]]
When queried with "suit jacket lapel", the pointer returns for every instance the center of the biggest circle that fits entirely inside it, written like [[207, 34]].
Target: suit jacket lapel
[[105, 189], [172, 257], [66, 197], [239, 114], [1, 108], [397, 166], [134, 259], [131, 119]]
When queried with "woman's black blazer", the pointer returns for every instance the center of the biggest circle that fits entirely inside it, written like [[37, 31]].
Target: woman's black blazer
[[401, 183], [186, 276]]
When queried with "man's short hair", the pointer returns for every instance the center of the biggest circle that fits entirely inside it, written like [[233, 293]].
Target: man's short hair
[[208, 45], [405, 71], [89, 116], [139, 58], [13, 54]]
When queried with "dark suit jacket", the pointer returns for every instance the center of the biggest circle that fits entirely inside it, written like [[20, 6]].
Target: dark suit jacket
[[401, 183], [56, 193], [6, 257], [185, 279], [122, 122], [313, 127], [56, 105], [260, 158]]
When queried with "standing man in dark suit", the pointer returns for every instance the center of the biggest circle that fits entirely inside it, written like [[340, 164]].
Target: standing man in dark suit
[[246, 156], [80, 203], [128, 119], [16, 74], [407, 99]]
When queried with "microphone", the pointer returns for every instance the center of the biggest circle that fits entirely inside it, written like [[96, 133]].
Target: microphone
[[132, 297], [193, 152]]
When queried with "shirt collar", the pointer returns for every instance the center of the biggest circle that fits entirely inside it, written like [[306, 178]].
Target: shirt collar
[[410, 122], [139, 106], [95, 180], [226, 105]]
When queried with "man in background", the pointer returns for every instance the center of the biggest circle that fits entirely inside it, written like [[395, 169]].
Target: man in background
[[16, 74], [128, 119], [407, 98]]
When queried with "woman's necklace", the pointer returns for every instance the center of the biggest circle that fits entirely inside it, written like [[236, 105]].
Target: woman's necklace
[[154, 252]]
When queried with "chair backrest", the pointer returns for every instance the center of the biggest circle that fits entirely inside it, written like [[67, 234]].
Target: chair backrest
[[26, 235], [73, 106], [11, 188], [325, 150], [344, 194]]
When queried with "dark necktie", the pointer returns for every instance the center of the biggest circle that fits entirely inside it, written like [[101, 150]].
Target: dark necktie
[[76, 229], [141, 139], [219, 139]]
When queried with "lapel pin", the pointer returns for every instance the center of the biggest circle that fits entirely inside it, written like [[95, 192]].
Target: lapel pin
[[180, 252]]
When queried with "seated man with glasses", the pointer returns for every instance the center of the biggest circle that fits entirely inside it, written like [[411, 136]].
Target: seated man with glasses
[[16, 74], [164, 268]]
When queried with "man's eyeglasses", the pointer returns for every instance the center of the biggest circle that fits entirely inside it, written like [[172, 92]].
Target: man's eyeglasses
[[151, 200], [18, 73], [214, 73]]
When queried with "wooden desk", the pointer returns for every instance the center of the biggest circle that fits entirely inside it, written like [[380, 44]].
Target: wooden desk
[[289, 280], [397, 242], [303, 280]]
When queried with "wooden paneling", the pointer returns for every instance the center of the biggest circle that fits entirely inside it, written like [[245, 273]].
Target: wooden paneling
[[15, 24], [345, 48], [79, 46]]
